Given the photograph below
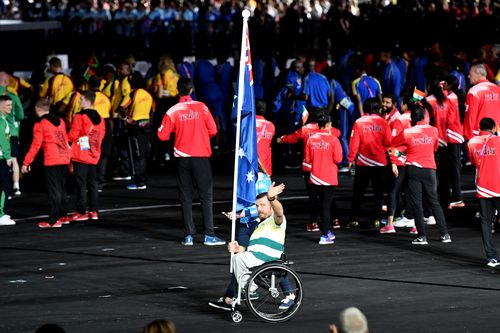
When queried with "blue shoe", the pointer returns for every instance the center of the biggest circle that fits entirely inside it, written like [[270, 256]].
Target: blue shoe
[[324, 240], [136, 187], [286, 304], [331, 235], [187, 241], [213, 241]]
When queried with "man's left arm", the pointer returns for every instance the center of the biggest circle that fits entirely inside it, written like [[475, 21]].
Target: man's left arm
[[272, 194]]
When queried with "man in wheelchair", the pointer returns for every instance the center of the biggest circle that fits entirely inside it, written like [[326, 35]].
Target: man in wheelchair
[[267, 243]]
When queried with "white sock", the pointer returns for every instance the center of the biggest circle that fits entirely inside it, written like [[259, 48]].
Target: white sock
[[16, 185]]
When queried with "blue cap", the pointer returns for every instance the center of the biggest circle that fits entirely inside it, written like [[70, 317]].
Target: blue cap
[[263, 183]]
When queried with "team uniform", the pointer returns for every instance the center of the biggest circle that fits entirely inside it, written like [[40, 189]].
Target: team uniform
[[193, 125], [324, 152], [138, 125], [102, 105], [449, 152], [86, 135], [421, 142], [56, 88], [317, 91], [265, 132], [346, 115], [366, 87], [483, 101], [303, 134], [484, 153], [370, 140], [49, 133], [5, 155]]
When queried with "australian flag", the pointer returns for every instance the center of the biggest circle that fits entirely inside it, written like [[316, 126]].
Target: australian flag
[[247, 151]]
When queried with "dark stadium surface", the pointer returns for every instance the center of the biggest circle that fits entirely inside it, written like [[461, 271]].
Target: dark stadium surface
[[125, 270]]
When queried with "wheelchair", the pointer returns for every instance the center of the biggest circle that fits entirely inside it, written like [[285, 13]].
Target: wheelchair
[[266, 292]]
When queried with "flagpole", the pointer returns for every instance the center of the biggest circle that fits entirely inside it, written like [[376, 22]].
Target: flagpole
[[245, 14]]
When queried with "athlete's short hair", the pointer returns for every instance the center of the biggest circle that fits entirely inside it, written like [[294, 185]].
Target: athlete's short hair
[[487, 124]]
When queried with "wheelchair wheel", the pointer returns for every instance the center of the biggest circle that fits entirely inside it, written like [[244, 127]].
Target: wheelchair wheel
[[274, 292], [236, 316]]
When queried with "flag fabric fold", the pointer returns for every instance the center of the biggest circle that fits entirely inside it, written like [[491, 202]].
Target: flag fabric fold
[[247, 165]]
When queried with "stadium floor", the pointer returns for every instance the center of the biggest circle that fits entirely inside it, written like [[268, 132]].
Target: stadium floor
[[127, 269]]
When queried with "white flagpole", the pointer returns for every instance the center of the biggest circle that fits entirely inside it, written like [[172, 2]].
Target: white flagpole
[[246, 15]]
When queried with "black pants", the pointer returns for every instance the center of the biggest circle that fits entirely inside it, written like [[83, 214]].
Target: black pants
[[449, 177], [121, 160], [487, 208], [195, 169], [395, 187], [422, 183], [55, 177], [86, 185], [140, 146], [326, 196], [365, 175], [313, 198], [106, 149]]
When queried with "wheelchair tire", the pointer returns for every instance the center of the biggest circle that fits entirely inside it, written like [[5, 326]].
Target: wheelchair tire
[[236, 316], [266, 293]]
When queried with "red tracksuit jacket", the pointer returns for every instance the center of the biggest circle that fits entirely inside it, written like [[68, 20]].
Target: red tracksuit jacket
[[484, 152], [50, 134], [323, 152], [370, 139], [483, 100], [265, 133], [447, 121], [303, 134], [421, 142], [193, 125], [87, 123]]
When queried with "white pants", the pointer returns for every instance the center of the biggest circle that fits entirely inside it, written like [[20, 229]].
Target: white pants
[[242, 262]]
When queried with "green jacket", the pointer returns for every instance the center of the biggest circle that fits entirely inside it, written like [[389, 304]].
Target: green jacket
[[4, 139], [17, 114]]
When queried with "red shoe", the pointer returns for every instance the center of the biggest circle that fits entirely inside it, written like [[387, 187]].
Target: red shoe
[[79, 217], [312, 227], [65, 219], [93, 215], [44, 225], [59, 223], [456, 204]]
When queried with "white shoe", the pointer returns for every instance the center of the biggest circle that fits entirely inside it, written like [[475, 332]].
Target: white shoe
[[404, 223], [5, 220], [430, 220]]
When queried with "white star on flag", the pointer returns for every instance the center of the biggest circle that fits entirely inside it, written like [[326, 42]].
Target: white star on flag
[[241, 153], [250, 176]]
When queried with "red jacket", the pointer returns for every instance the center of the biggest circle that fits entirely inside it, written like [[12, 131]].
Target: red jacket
[[87, 123], [454, 127], [370, 139], [50, 134], [421, 142], [484, 152], [323, 152], [483, 100], [265, 133], [447, 121], [303, 134], [397, 125], [193, 125]]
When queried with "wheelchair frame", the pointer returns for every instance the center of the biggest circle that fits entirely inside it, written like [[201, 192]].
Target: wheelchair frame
[[267, 278]]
